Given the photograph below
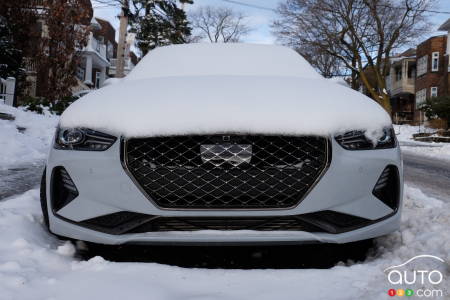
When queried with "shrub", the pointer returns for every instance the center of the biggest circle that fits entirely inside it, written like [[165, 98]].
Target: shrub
[[438, 107], [38, 105]]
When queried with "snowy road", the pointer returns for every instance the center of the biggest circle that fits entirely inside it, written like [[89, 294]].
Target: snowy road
[[432, 176], [19, 179]]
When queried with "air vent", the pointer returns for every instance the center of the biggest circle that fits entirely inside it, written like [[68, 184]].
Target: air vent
[[63, 188], [387, 188]]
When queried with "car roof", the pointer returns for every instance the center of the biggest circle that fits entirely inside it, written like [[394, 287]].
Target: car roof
[[222, 59]]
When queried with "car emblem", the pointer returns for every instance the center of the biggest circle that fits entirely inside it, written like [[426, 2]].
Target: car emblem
[[219, 154]]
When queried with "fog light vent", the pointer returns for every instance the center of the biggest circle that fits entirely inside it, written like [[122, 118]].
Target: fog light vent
[[63, 188], [387, 187]]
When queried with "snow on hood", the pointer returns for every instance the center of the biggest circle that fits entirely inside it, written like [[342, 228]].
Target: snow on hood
[[219, 104]]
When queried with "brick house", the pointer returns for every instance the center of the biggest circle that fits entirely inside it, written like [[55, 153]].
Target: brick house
[[432, 70]]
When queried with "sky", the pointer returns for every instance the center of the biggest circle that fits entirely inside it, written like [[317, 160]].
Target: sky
[[260, 18]]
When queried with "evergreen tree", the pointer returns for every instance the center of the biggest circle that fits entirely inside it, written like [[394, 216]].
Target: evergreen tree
[[10, 54], [17, 21], [158, 23]]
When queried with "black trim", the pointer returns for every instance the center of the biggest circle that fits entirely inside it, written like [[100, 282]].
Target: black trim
[[323, 221], [62, 189], [387, 188]]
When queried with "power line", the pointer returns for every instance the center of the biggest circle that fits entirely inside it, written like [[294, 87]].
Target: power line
[[249, 5], [273, 9]]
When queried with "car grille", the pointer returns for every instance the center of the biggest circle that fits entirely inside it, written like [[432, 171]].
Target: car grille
[[226, 171]]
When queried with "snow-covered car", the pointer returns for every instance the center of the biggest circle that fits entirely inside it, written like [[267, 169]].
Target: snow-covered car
[[228, 143]]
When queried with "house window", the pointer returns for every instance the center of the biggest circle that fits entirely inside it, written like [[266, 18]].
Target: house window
[[435, 62], [422, 65], [434, 92], [421, 97]]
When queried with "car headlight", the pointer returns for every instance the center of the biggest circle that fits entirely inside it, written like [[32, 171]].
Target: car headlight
[[357, 140], [82, 139]]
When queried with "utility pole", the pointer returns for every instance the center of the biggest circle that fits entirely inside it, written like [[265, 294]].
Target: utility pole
[[120, 64]]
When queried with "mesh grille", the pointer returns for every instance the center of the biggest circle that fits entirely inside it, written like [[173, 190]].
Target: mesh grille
[[226, 172]]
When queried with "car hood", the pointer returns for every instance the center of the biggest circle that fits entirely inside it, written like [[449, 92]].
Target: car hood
[[225, 104]]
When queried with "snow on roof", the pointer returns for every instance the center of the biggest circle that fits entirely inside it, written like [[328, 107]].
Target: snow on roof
[[222, 59]]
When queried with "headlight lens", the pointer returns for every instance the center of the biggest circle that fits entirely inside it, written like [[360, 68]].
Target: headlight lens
[[82, 139], [357, 140]]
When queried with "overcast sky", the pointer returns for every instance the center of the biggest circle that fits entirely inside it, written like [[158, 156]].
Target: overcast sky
[[259, 18]]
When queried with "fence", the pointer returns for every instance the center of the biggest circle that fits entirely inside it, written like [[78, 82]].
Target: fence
[[7, 88]]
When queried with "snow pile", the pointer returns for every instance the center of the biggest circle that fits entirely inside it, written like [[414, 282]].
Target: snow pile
[[405, 132], [408, 145], [34, 265], [18, 148], [201, 89]]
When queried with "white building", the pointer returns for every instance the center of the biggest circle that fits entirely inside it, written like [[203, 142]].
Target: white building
[[92, 71]]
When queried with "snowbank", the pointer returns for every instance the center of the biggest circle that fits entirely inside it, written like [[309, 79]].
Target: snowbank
[[35, 266], [18, 148]]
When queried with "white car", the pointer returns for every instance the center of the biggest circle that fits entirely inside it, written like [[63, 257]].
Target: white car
[[232, 143]]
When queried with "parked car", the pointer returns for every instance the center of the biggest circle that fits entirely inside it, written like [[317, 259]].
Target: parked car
[[224, 144]]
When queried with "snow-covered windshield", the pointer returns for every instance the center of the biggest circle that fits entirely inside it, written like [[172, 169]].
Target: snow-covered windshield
[[223, 59]]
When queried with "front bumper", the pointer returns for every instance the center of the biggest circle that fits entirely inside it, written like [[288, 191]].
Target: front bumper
[[105, 188]]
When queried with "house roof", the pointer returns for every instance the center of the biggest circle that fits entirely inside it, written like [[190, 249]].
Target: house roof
[[445, 26]]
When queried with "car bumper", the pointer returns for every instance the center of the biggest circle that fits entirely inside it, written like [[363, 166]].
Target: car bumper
[[105, 188]]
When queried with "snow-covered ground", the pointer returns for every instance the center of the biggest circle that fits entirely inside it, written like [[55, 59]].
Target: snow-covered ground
[[35, 265], [432, 150], [18, 148]]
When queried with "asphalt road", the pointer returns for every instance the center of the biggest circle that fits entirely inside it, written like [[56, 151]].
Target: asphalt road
[[432, 176], [19, 179]]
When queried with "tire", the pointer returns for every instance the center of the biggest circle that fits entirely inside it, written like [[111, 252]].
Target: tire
[[43, 196]]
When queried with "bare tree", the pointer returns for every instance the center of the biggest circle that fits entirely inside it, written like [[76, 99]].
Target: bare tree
[[361, 34], [57, 56], [219, 24]]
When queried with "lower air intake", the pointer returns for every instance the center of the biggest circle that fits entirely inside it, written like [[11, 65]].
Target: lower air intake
[[63, 188], [387, 188], [130, 222]]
